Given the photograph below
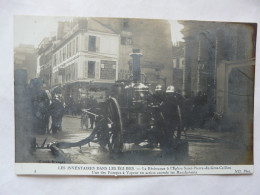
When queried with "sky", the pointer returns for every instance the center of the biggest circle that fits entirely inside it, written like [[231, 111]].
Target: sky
[[175, 30], [32, 29]]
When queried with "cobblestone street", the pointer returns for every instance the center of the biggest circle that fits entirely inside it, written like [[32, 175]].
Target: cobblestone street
[[204, 147]]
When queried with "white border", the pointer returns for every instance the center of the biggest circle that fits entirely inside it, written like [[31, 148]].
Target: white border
[[129, 170], [221, 10]]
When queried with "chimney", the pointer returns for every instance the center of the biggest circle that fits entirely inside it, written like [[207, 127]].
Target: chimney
[[136, 55]]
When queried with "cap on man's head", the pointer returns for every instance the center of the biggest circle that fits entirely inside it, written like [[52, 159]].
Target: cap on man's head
[[158, 88], [170, 89]]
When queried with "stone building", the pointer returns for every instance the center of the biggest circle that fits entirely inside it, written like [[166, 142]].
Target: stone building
[[178, 65], [85, 53], [95, 51], [45, 60], [220, 60], [153, 38]]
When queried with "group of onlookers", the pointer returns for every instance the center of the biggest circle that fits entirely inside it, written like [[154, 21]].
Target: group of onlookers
[[37, 111], [75, 107], [46, 105], [194, 110], [40, 110]]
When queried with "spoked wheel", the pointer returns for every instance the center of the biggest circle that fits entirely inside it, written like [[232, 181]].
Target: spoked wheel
[[114, 130]]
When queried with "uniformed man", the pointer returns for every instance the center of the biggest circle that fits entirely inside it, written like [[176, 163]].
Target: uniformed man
[[171, 114], [159, 95]]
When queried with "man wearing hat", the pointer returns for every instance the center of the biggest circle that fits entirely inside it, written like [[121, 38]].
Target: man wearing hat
[[40, 106], [159, 95], [172, 116]]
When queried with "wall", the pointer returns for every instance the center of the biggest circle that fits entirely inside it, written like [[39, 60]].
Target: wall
[[152, 37]]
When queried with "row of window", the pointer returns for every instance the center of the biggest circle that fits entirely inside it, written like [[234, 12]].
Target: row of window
[[92, 43], [71, 72], [178, 63], [90, 70], [107, 70], [66, 52]]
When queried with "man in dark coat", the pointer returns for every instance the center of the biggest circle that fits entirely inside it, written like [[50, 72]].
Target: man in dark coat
[[57, 112], [40, 106], [171, 111], [159, 96]]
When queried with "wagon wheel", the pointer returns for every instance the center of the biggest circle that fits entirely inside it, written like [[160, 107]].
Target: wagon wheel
[[114, 125]]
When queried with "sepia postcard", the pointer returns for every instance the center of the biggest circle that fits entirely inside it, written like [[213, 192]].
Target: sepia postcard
[[133, 97]]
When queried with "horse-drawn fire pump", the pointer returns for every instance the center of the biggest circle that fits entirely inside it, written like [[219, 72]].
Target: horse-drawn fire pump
[[133, 115]]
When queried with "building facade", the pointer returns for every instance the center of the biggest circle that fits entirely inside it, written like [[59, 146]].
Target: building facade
[[45, 61], [90, 52], [153, 38], [217, 52], [84, 54], [178, 65]]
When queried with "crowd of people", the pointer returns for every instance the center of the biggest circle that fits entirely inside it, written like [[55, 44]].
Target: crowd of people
[[46, 105], [74, 108], [44, 109], [40, 111], [194, 109], [34, 107], [37, 106]]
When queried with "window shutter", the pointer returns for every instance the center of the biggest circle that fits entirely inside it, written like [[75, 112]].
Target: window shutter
[[86, 42], [86, 69], [97, 44], [97, 70]]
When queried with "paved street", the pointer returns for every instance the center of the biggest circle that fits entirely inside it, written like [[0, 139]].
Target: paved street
[[204, 147]]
